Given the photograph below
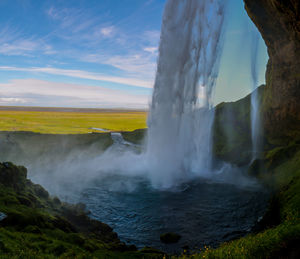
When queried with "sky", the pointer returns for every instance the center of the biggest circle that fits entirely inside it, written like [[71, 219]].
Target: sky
[[102, 53]]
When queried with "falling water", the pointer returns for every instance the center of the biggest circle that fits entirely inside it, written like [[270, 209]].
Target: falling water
[[180, 120], [255, 119]]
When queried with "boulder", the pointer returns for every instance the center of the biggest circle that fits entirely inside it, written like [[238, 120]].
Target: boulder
[[169, 238]]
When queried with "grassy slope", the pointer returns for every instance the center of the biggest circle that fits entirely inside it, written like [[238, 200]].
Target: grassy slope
[[40, 226], [70, 122]]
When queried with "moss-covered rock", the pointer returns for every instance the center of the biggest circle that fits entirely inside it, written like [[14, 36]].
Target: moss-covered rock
[[35, 225], [136, 136], [232, 130], [13, 176]]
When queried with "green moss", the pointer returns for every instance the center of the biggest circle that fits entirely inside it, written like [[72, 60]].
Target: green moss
[[39, 226], [136, 136], [280, 240]]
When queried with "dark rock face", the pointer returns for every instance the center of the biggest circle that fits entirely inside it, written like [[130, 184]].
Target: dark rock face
[[13, 176], [232, 130], [279, 24]]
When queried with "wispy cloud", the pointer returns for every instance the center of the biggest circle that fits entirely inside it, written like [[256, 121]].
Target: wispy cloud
[[139, 64], [152, 50], [83, 75], [78, 25], [11, 100], [13, 43], [81, 36], [44, 93], [70, 18], [107, 31], [20, 47]]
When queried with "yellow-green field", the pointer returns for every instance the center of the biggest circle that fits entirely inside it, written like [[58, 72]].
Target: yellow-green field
[[71, 122]]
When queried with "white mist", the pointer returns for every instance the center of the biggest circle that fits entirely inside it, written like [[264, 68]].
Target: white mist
[[180, 120]]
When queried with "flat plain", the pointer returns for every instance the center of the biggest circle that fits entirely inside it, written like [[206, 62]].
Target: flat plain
[[70, 120]]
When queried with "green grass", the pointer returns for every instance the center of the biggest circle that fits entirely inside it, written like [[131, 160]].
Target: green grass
[[41, 226], [71, 122]]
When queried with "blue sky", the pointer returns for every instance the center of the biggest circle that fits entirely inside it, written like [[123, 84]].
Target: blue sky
[[102, 53]]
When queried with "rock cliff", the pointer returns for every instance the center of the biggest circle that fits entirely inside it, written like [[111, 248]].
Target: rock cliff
[[279, 24]]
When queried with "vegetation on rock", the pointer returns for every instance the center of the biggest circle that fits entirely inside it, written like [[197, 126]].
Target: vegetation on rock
[[40, 226], [136, 136], [232, 130], [277, 235], [279, 24]]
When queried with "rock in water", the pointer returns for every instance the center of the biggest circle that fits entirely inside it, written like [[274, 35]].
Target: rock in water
[[169, 238]]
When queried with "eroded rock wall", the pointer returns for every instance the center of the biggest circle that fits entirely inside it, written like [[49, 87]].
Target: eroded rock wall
[[279, 24]]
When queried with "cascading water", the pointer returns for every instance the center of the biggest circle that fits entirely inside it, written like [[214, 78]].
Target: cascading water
[[180, 120], [255, 118]]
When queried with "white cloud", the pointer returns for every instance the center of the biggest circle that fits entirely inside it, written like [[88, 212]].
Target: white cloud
[[152, 50], [67, 17], [18, 47], [108, 31], [139, 65], [44, 93], [83, 75], [10, 100], [78, 25], [13, 43]]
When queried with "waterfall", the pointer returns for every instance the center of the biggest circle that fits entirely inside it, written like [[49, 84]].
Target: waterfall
[[180, 119], [255, 118]]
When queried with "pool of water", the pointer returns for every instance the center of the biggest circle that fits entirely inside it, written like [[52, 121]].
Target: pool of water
[[202, 212]]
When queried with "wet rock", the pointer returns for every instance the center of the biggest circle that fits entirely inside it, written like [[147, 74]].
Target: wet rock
[[40, 191], [169, 238], [13, 176], [56, 201], [279, 24]]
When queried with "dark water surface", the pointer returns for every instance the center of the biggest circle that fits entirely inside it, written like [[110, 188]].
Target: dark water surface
[[202, 212]]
